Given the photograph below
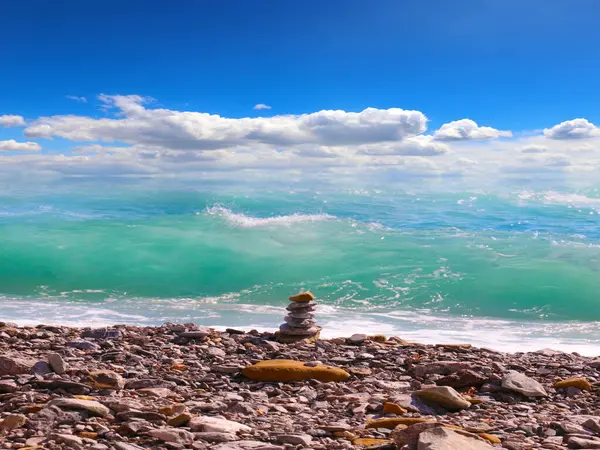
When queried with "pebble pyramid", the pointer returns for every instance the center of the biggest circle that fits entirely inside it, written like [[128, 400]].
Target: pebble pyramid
[[300, 321]]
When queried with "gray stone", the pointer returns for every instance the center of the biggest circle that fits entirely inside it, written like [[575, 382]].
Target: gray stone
[[294, 439], [248, 445], [126, 446], [211, 436], [443, 396], [41, 368], [82, 344], [357, 339], [92, 407], [292, 331], [57, 363], [441, 368], [515, 381], [300, 323], [442, 438], [176, 435], [196, 334], [217, 425], [308, 306]]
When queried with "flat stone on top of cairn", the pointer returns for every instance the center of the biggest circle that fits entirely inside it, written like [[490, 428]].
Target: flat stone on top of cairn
[[300, 321]]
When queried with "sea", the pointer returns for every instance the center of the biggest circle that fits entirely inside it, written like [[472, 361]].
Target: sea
[[509, 269]]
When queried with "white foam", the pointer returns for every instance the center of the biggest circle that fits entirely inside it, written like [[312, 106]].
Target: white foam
[[244, 221], [561, 198]]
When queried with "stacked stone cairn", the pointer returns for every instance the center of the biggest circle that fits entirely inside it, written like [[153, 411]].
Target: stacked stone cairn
[[300, 321]]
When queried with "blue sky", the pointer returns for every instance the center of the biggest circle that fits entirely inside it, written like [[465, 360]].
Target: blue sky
[[522, 66]]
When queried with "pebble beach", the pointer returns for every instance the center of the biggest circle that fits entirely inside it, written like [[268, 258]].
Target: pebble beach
[[184, 386]]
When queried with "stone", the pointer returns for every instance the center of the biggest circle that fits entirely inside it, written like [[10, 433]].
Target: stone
[[57, 363], [106, 379], [92, 407], [440, 368], [247, 445], [580, 442], [302, 323], [211, 436], [101, 333], [370, 442], [593, 423], [8, 386], [294, 439], [404, 435], [217, 425], [15, 365], [304, 306], [517, 382], [196, 334], [126, 446], [392, 408], [82, 344], [392, 422], [357, 339], [287, 370], [579, 383], [491, 438], [462, 379], [176, 435], [294, 331], [13, 421], [444, 396], [442, 438], [179, 420], [41, 368], [303, 297], [68, 439]]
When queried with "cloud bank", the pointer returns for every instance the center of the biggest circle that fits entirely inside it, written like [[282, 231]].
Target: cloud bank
[[130, 136]]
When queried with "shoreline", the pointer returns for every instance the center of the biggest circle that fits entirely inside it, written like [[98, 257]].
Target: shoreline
[[180, 386]]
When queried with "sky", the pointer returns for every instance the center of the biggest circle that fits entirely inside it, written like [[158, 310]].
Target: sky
[[386, 89]]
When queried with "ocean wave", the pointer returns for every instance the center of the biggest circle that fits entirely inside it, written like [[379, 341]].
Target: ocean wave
[[243, 221], [560, 198]]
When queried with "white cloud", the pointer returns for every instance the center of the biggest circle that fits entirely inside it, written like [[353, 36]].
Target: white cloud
[[12, 121], [572, 129], [261, 106], [467, 130], [77, 99], [533, 148], [202, 131], [13, 146], [414, 146]]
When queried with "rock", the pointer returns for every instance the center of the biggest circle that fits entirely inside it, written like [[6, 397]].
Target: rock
[[82, 344], [176, 435], [303, 306], [579, 383], [294, 439], [179, 420], [515, 381], [126, 446], [296, 331], [580, 442], [444, 396], [68, 439], [370, 442], [92, 407], [392, 422], [101, 333], [217, 425], [248, 445], [461, 379], [302, 323], [8, 386], [13, 421], [57, 363], [287, 370], [303, 297], [15, 365], [443, 438], [392, 408], [441, 368], [216, 437], [409, 435], [492, 439], [357, 339], [106, 379], [196, 334], [41, 368], [593, 424], [71, 387]]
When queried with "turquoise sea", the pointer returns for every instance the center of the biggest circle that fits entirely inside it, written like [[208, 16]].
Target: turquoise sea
[[513, 270]]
